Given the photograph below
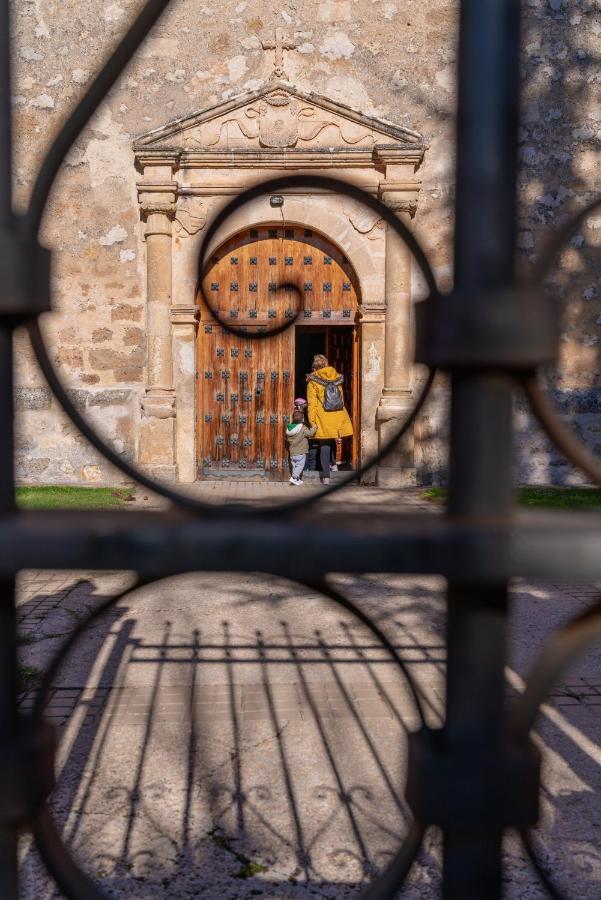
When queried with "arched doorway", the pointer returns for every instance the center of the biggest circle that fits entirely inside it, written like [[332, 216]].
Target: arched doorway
[[246, 387]]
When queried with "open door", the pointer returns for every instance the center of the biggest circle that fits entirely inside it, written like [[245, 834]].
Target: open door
[[340, 344]]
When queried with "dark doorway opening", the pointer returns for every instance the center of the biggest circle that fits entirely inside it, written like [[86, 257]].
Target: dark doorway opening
[[340, 345], [309, 342]]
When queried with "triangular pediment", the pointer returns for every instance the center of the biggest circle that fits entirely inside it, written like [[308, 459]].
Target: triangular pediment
[[278, 116]]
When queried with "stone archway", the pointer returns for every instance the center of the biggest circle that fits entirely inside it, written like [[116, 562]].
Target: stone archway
[[246, 385], [191, 167]]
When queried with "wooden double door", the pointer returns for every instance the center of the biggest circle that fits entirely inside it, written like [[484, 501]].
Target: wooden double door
[[248, 380]]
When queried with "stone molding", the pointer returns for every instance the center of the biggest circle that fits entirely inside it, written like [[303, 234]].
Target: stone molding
[[371, 313], [185, 315], [403, 138], [159, 404], [394, 405], [286, 158]]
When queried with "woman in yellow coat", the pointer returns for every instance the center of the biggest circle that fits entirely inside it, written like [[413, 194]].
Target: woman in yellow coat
[[331, 424]]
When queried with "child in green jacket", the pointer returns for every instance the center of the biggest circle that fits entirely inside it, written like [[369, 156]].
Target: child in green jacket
[[297, 440]]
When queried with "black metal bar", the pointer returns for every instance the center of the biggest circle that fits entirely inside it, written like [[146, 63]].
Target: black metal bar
[[487, 123], [8, 727], [5, 118], [8, 633], [558, 546], [481, 449], [478, 546]]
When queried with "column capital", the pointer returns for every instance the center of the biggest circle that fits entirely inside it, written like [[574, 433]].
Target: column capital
[[400, 201], [155, 197]]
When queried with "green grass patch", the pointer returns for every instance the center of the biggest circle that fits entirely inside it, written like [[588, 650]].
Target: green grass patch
[[547, 497], [27, 678], [25, 637], [248, 867], [67, 497]]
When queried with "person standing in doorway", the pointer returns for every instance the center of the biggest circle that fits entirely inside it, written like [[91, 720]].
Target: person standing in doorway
[[325, 411]]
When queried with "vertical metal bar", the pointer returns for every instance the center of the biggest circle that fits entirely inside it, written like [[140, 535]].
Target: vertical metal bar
[[5, 118], [480, 476], [7, 464], [8, 625], [8, 614], [8, 726]]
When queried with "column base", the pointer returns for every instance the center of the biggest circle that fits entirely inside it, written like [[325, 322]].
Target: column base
[[405, 476], [157, 434], [397, 470], [161, 472]]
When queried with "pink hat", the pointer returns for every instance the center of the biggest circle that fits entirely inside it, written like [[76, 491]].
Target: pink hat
[[300, 401]]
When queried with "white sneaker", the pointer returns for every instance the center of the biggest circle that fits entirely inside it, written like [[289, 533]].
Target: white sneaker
[[296, 482], [325, 480], [292, 480], [333, 467]]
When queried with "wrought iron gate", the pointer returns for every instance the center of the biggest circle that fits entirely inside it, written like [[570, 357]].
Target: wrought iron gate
[[479, 774]]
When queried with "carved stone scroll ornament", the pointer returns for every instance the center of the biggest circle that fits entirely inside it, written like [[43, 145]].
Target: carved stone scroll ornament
[[364, 220], [278, 120], [309, 130], [190, 215]]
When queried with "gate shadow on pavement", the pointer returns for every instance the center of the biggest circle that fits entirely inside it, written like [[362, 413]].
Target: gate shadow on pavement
[[238, 786], [263, 761]]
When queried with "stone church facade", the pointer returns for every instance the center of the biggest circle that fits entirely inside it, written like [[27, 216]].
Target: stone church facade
[[141, 346]]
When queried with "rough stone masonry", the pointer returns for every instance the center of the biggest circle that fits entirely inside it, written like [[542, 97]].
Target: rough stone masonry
[[374, 61]]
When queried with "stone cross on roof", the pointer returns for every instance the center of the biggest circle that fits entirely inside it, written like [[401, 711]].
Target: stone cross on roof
[[279, 44]]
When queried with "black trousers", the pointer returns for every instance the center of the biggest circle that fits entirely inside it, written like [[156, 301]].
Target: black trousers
[[327, 452]]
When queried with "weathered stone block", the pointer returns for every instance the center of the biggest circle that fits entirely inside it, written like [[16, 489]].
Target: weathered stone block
[[107, 358], [157, 441], [32, 398], [31, 469], [109, 397], [69, 358], [127, 312], [79, 398], [92, 474], [134, 337], [99, 335]]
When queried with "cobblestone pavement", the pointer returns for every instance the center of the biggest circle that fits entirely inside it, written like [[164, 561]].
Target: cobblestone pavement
[[232, 736]]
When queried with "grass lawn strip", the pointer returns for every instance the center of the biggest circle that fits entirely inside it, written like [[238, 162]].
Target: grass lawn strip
[[68, 497], [548, 497]]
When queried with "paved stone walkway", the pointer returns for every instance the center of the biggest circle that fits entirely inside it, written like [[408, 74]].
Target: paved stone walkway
[[239, 736]]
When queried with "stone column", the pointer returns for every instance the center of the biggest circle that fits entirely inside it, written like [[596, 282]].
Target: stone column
[[157, 428], [398, 469], [184, 320]]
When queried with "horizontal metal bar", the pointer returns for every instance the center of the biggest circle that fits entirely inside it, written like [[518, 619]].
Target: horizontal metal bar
[[551, 545]]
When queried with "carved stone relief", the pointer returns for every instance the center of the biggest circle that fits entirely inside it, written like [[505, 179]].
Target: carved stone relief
[[279, 120], [190, 215], [364, 220], [278, 117]]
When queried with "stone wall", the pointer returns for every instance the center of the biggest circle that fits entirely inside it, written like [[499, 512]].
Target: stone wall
[[391, 59]]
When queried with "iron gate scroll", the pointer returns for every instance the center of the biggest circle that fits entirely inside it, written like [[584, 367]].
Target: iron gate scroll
[[479, 774]]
